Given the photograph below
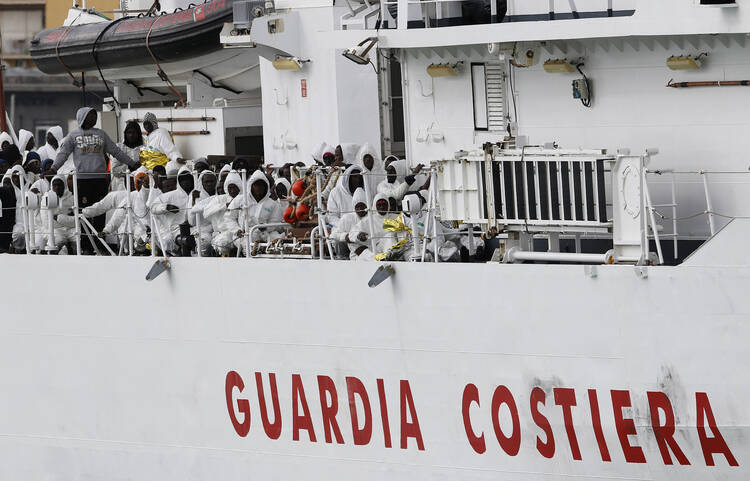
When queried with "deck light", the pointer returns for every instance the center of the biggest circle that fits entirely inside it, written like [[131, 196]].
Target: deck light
[[359, 54], [558, 66], [685, 62], [288, 63], [443, 69]]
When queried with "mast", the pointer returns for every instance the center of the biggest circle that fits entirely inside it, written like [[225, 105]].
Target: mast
[[3, 122], [3, 115]]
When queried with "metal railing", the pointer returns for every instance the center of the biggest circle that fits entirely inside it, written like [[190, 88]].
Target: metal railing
[[434, 12]]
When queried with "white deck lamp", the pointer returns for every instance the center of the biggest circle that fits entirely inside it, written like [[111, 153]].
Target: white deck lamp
[[437, 70], [288, 63], [360, 53]]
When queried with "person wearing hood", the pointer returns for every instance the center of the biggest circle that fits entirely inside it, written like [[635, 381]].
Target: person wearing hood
[[159, 140], [132, 145], [283, 189], [17, 179], [222, 177], [54, 138], [5, 140], [370, 228], [7, 215], [39, 188], [261, 208], [319, 154], [340, 199], [397, 181], [140, 216], [358, 237], [206, 193], [173, 207], [26, 142], [104, 209], [340, 232], [373, 171], [227, 232], [63, 222], [33, 167], [200, 165], [11, 155], [345, 154], [89, 147]]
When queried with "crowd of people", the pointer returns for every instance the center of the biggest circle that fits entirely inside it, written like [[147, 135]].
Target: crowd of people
[[142, 194]]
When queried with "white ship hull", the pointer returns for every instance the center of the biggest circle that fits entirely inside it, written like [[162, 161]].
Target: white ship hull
[[107, 376]]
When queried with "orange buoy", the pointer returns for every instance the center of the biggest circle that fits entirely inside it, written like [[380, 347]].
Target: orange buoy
[[289, 215], [298, 188], [303, 212]]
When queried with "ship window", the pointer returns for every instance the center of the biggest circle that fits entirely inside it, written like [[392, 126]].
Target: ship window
[[488, 93], [18, 27], [392, 105]]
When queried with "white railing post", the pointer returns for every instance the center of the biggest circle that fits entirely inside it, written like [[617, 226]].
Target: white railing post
[[403, 14], [323, 232], [709, 205], [129, 207], [77, 212], [154, 233], [246, 209], [674, 217], [651, 217], [433, 199]]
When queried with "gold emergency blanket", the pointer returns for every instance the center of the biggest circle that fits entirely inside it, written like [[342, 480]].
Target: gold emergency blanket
[[394, 225], [151, 158]]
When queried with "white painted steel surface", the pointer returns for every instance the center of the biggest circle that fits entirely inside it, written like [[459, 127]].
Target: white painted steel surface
[[107, 376]]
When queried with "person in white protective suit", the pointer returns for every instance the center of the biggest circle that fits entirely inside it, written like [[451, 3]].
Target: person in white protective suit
[[373, 171], [63, 222], [359, 239], [203, 227], [17, 178], [261, 208], [372, 226], [32, 165], [26, 142], [416, 217], [140, 215], [346, 154], [173, 207], [398, 180], [223, 173], [283, 189], [159, 140], [54, 139], [227, 230], [319, 154], [107, 207], [340, 199], [5, 140], [340, 233], [39, 188]]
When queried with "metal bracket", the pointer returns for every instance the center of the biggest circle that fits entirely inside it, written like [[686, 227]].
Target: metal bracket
[[383, 273], [161, 266]]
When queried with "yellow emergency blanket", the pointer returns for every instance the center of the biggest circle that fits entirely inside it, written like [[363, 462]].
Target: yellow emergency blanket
[[394, 225], [151, 158]]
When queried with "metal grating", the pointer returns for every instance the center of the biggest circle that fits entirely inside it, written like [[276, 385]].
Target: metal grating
[[495, 85]]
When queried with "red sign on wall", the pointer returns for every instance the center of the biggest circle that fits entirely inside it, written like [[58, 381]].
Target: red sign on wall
[[303, 85]]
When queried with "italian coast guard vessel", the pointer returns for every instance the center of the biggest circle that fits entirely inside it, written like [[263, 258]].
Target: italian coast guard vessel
[[602, 144]]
